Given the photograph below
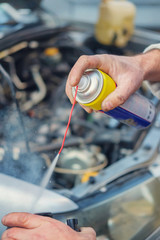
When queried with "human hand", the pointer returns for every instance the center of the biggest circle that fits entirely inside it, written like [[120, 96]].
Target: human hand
[[26, 226], [127, 72]]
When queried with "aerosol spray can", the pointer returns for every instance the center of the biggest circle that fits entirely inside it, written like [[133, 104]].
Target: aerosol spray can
[[95, 86]]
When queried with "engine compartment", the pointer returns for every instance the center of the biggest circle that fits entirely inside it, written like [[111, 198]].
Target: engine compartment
[[38, 73]]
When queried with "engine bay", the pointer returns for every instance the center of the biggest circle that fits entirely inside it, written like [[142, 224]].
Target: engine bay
[[38, 73]]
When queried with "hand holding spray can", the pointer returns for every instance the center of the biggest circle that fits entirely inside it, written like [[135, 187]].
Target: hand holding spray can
[[95, 86]]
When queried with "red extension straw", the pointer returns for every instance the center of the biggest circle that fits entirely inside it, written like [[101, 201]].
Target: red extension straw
[[69, 120]]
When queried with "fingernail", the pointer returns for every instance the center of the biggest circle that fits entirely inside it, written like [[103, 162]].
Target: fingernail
[[107, 106], [3, 220]]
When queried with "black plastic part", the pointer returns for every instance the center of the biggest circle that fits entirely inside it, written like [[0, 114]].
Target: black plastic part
[[73, 223]]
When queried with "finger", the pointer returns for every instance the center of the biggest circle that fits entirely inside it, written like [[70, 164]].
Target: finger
[[116, 98], [25, 220], [87, 109], [82, 64], [88, 231], [69, 92], [17, 234]]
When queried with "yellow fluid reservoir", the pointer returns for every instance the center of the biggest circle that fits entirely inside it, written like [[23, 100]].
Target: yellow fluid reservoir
[[115, 24]]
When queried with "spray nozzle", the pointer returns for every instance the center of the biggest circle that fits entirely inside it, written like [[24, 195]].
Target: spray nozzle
[[84, 83]]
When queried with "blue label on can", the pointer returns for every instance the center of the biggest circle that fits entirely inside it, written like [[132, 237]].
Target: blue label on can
[[127, 117]]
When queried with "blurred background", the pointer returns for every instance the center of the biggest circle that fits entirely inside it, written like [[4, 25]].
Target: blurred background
[[147, 11]]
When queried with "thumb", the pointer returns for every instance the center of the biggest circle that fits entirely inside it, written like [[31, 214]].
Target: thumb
[[24, 220], [116, 98], [88, 231]]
